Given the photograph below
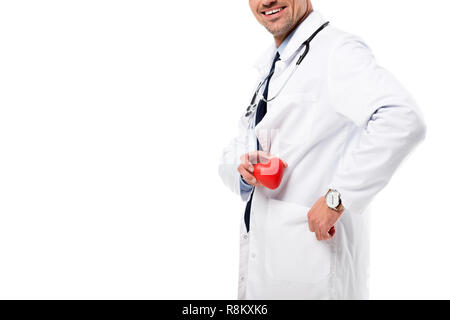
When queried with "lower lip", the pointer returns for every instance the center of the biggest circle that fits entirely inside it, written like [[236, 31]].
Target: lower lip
[[273, 16]]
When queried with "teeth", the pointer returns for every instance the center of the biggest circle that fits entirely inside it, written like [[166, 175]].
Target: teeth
[[272, 11]]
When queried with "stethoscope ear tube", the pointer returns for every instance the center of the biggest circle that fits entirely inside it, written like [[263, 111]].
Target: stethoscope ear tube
[[305, 45], [307, 42]]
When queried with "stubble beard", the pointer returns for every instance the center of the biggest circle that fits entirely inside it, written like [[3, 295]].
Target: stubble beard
[[285, 28]]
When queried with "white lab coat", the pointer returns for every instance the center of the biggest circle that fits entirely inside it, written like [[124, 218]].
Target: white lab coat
[[342, 122]]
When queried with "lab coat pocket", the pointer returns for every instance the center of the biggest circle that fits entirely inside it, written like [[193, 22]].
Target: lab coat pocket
[[293, 252]]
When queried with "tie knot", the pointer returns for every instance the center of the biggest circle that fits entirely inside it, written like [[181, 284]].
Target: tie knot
[[277, 57]]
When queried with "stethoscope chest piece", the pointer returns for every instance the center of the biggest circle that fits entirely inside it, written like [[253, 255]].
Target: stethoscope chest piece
[[250, 109]]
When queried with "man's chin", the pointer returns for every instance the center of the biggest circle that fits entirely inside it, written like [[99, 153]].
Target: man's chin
[[278, 31]]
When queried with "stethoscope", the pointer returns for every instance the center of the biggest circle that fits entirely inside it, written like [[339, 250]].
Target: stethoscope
[[303, 49]]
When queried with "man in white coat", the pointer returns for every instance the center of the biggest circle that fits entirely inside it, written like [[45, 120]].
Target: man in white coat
[[342, 125]]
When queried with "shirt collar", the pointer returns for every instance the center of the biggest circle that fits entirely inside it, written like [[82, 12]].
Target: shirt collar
[[286, 41], [292, 43]]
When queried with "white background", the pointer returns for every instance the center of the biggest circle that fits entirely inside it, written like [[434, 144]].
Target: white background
[[113, 116]]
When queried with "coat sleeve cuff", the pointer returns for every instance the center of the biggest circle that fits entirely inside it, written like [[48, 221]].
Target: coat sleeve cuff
[[245, 189]]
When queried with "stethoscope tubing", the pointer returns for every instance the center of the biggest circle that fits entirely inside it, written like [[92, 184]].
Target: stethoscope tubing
[[305, 46]]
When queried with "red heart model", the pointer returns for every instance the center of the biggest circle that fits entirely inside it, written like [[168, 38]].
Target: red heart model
[[269, 174]]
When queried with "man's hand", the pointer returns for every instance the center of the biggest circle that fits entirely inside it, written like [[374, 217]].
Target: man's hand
[[246, 166], [321, 220]]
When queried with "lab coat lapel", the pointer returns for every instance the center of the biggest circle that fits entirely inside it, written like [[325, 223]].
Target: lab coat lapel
[[263, 65], [264, 62]]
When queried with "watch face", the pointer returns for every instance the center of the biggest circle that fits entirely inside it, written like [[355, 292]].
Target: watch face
[[333, 199]]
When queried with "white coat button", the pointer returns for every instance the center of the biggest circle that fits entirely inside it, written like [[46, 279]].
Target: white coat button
[[242, 278], [245, 236], [253, 256]]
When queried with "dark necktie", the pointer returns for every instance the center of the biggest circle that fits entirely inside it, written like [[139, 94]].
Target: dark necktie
[[260, 113]]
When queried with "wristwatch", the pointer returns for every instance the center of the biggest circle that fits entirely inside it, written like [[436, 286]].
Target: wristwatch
[[333, 200]]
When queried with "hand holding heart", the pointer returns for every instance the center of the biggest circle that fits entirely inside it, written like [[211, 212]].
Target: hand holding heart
[[260, 168]]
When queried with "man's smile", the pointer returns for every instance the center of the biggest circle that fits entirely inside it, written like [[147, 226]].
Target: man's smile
[[272, 13]]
